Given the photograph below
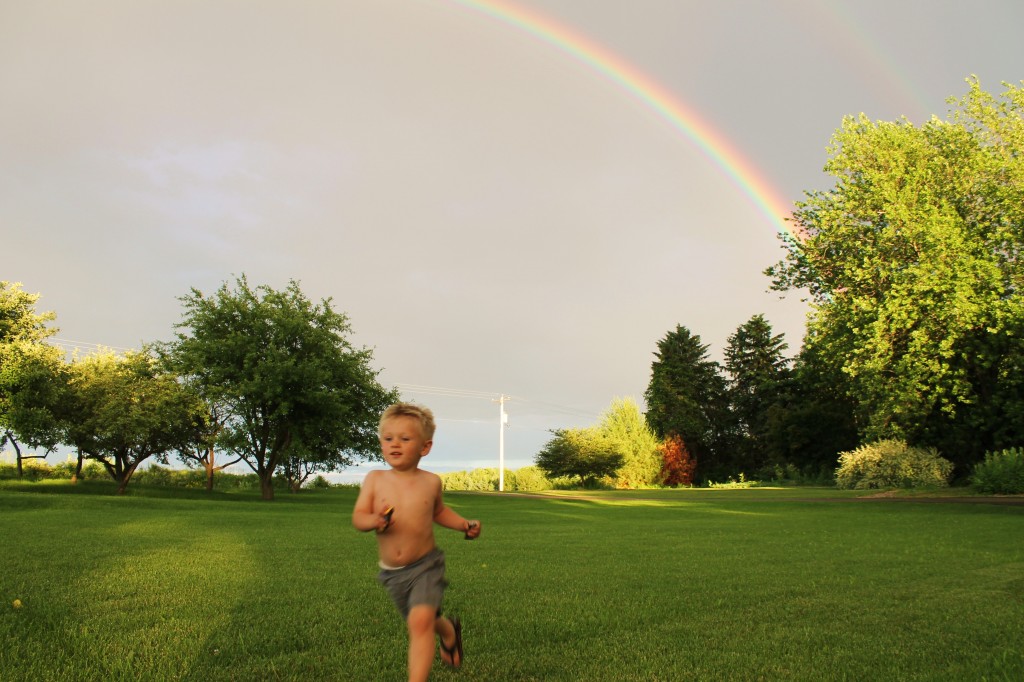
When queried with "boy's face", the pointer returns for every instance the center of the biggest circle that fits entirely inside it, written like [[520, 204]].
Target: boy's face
[[402, 442]]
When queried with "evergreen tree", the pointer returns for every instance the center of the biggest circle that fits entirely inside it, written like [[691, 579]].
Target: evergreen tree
[[686, 397], [756, 370]]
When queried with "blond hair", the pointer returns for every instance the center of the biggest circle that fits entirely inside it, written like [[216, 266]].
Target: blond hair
[[421, 414]]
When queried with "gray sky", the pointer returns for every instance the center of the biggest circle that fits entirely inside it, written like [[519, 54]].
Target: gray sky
[[494, 214]]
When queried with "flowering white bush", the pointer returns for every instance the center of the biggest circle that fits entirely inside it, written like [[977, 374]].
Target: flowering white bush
[[892, 464]]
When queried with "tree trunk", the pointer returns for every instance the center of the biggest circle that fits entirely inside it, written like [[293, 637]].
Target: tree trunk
[[209, 470], [126, 476], [78, 468], [17, 452], [267, 485]]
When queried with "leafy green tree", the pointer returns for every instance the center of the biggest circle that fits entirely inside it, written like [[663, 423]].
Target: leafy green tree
[[19, 320], [126, 409], [291, 383], [686, 397], [201, 450], [586, 454], [756, 368], [624, 425], [31, 375], [913, 260]]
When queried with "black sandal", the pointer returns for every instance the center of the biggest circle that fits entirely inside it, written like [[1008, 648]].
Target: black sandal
[[455, 648]]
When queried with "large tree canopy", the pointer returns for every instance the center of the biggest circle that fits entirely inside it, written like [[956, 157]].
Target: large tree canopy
[[587, 454], [125, 409], [624, 425], [913, 260], [291, 385]]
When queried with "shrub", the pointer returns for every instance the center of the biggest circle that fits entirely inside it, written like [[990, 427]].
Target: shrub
[[527, 479], [476, 480], [732, 483], [1000, 473], [892, 464], [677, 464], [170, 478]]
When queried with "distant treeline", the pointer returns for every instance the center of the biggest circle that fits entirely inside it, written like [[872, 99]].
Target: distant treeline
[[155, 475]]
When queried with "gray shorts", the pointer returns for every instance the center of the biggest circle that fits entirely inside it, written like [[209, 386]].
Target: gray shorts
[[420, 583]]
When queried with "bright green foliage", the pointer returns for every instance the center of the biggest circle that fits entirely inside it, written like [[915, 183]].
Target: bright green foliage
[[526, 479], [686, 396], [476, 480], [624, 425], [125, 409], [18, 318], [31, 373], [32, 390], [757, 370], [913, 259], [584, 454], [42, 470], [1001, 473], [892, 464], [295, 393]]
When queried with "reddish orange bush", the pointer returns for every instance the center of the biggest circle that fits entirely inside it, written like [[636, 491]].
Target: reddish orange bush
[[677, 464]]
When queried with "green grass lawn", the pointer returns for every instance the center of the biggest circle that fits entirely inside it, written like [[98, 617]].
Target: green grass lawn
[[791, 584]]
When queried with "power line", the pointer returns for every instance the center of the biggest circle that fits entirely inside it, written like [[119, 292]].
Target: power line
[[68, 344], [448, 392]]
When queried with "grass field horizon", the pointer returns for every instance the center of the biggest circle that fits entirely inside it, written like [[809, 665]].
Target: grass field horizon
[[796, 583]]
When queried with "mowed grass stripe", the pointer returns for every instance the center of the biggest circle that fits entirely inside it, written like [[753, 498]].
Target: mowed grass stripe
[[651, 585]]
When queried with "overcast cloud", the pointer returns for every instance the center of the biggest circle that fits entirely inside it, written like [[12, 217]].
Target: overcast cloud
[[494, 215]]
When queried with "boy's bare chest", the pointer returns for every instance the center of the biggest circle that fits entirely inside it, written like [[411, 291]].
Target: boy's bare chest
[[407, 498]]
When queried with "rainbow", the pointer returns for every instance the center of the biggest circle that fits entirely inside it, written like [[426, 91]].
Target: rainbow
[[739, 170]]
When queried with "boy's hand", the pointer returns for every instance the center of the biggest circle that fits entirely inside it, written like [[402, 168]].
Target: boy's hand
[[385, 519], [472, 529]]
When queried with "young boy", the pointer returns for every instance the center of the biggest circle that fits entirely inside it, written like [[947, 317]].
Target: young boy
[[402, 504]]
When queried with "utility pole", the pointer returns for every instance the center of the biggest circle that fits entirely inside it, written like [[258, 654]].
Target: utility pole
[[502, 424]]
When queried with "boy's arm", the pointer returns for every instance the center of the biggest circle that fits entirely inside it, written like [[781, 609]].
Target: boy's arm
[[363, 516], [449, 518]]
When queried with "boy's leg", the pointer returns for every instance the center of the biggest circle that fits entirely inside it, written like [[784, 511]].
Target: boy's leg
[[421, 623]]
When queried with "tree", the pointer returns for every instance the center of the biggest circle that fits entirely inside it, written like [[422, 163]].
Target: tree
[[201, 451], [31, 374], [291, 383], [686, 397], [624, 425], [127, 409], [913, 260], [756, 370], [18, 318], [812, 418], [579, 453]]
